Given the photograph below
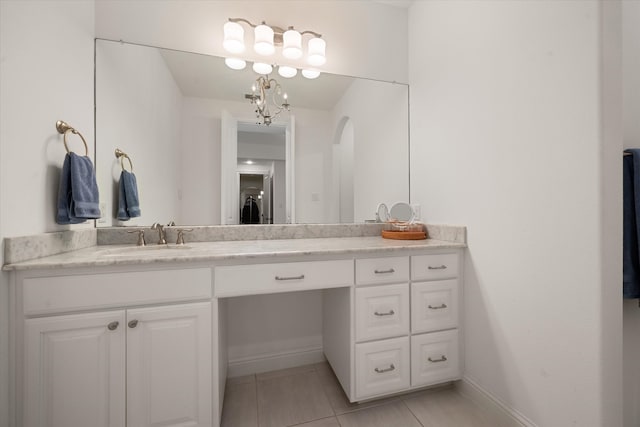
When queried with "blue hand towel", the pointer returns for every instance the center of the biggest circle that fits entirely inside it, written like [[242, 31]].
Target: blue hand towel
[[78, 197], [128, 201], [631, 221]]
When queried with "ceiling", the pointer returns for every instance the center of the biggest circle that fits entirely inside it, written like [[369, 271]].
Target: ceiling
[[206, 76]]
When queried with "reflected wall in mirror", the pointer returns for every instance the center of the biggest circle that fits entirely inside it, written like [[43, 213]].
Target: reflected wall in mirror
[[349, 143]]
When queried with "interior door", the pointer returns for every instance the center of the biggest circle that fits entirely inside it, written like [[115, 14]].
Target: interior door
[[266, 200], [229, 186], [290, 155]]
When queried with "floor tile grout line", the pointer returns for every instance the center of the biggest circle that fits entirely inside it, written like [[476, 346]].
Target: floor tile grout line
[[324, 392], [255, 377], [313, 421], [411, 412]]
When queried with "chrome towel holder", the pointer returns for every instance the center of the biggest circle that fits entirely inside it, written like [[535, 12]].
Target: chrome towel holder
[[63, 128], [122, 155]]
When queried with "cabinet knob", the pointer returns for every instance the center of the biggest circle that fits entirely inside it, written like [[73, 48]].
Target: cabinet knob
[[113, 326], [133, 323]]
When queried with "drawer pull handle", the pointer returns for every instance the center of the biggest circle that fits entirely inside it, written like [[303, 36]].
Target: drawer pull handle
[[113, 326], [388, 313], [133, 323], [443, 358], [300, 277], [382, 371], [441, 267], [391, 270], [438, 307]]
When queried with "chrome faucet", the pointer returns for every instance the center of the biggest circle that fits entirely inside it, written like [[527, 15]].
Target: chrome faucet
[[161, 235]]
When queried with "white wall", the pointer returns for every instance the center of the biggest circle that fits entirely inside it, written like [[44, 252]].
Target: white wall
[[379, 132], [631, 80], [139, 112], [254, 145], [364, 38], [46, 74], [254, 332], [509, 138]]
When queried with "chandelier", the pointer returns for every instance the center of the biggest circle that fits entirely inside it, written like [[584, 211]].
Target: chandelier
[[266, 39], [265, 91]]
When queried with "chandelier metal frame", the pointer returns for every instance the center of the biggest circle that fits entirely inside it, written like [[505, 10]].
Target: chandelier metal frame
[[268, 89]]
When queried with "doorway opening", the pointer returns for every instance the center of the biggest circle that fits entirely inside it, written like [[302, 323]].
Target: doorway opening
[[256, 201]]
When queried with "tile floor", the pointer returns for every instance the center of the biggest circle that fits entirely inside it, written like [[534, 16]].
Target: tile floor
[[310, 396]]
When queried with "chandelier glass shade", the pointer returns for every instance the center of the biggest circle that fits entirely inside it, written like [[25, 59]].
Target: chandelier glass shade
[[263, 44], [235, 63], [287, 72], [317, 48], [292, 44], [262, 68], [233, 37]]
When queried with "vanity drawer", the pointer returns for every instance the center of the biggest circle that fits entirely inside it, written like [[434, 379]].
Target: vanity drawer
[[43, 295], [382, 312], [372, 271], [434, 358], [382, 367], [237, 280], [434, 305], [434, 267]]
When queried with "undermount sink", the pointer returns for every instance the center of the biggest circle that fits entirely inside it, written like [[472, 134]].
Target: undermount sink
[[140, 250]]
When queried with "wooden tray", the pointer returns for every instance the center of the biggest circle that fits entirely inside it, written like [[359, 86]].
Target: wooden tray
[[404, 235]]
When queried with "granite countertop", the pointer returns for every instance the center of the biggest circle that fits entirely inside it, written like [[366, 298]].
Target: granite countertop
[[111, 255]]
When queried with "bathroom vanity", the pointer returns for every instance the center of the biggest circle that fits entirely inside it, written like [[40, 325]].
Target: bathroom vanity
[[125, 335]]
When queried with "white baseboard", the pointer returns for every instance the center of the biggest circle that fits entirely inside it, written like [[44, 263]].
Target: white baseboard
[[274, 361], [508, 415]]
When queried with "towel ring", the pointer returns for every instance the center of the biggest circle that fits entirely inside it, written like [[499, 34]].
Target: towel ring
[[122, 155], [63, 128]]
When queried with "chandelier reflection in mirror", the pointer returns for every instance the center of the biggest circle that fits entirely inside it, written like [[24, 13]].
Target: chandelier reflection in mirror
[[268, 91]]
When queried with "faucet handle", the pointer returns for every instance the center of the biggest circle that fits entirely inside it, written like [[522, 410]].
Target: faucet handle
[[141, 241], [181, 231], [161, 235], [171, 224]]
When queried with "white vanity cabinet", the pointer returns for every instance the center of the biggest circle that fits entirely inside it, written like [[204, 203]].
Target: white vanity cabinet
[[382, 318], [146, 344], [404, 313], [435, 318], [113, 349]]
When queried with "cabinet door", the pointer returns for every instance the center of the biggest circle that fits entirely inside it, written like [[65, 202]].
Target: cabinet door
[[382, 367], [434, 305], [382, 312], [75, 370], [169, 366], [434, 358]]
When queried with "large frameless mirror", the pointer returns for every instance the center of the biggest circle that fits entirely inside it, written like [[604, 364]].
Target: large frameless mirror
[[201, 158]]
